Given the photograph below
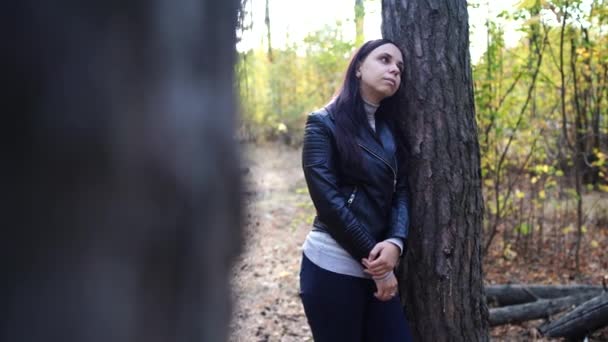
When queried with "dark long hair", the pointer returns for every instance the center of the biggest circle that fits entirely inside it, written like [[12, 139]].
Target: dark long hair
[[350, 115]]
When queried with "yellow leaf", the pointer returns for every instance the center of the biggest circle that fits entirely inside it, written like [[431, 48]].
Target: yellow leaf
[[508, 253], [519, 194], [595, 244], [534, 180], [281, 127], [541, 194]]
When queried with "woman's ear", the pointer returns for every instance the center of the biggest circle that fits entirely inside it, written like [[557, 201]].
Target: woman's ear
[[358, 70]]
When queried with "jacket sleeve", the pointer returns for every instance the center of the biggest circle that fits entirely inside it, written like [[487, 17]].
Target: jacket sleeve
[[400, 218], [319, 161]]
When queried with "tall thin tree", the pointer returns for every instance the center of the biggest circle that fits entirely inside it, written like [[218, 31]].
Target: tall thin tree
[[359, 20], [268, 31], [442, 275]]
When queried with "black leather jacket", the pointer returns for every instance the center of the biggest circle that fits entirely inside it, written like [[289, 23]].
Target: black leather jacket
[[357, 213]]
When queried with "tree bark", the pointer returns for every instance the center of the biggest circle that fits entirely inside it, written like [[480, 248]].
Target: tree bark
[[512, 294], [359, 19], [583, 320], [442, 275], [122, 188], [268, 36], [539, 309]]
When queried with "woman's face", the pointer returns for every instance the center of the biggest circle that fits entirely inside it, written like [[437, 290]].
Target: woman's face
[[380, 73]]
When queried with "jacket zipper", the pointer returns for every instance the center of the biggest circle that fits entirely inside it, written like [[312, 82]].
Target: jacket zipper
[[385, 162], [352, 197]]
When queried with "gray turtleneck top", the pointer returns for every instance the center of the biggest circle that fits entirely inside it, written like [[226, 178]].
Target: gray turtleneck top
[[320, 248]]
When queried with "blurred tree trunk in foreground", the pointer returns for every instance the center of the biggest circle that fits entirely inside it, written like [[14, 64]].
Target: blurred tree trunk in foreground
[[122, 185], [442, 279]]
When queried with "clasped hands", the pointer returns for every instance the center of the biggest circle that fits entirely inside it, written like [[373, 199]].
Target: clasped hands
[[379, 264]]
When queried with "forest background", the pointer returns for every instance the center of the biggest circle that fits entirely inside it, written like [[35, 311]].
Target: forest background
[[540, 73]]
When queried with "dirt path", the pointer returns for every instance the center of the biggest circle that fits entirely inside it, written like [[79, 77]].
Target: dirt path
[[266, 277]]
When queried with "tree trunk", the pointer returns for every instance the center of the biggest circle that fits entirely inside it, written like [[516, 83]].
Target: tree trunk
[[539, 309], [517, 294], [578, 154], [359, 19], [442, 276], [268, 36], [122, 188], [583, 320]]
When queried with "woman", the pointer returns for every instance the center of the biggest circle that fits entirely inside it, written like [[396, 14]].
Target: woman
[[350, 157]]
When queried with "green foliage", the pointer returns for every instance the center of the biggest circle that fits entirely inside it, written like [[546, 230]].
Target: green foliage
[[523, 228], [527, 134], [277, 95], [526, 140]]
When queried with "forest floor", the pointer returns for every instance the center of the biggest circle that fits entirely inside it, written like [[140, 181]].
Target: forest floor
[[279, 213]]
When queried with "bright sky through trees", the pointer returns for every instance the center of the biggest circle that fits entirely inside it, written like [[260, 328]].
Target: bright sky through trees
[[292, 20]]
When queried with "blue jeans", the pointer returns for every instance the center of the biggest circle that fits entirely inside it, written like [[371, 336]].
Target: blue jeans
[[343, 308]]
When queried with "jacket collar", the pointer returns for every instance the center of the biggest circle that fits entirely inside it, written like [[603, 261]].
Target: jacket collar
[[381, 143]]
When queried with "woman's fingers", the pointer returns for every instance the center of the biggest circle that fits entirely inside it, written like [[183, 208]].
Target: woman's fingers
[[385, 266], [376, 268], [382, 258], [380, 265], [381, 261], [368, 263], [385, 296], [373, 254], [377, 274], [386, 287]]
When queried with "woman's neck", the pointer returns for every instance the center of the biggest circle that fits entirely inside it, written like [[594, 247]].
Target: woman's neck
[[370, 111], [370, 102], [370, 107]]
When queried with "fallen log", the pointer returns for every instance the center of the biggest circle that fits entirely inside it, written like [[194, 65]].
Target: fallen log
[[502, 295], [539, 309], [586, 318]]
